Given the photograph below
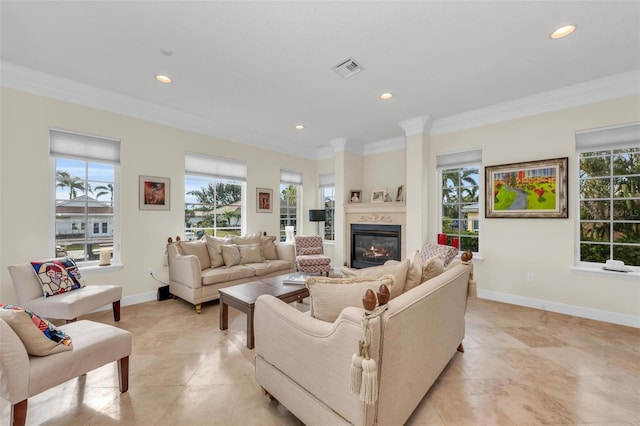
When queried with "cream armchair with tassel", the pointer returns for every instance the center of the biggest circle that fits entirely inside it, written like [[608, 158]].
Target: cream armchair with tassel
[[306, 363]]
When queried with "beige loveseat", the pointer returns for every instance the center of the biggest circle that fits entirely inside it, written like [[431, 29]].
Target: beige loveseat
[[305, 363], [198, 269]]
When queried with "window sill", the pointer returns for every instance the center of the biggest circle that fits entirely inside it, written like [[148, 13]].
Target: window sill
[[96, 269], [609, 274]]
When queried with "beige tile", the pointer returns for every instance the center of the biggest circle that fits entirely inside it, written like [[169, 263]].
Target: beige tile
[[521, 366]]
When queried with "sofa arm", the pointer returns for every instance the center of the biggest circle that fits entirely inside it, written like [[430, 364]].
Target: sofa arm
[[314, 354], [14, 366], [286, 252], [184, 269]]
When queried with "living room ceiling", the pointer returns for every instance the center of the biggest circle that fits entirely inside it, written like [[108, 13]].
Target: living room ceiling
[[257, 69]]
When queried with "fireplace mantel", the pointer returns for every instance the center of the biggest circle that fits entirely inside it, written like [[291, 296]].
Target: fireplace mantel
[[392, 213]]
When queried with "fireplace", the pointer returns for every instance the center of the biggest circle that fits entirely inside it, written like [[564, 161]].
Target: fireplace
[[372, 245]]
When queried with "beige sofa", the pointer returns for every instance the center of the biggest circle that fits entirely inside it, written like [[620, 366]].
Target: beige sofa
[[305, 363], [198, 269]]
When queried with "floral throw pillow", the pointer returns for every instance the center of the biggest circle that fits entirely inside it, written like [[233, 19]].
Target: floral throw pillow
[[39, 336], [58, 276]]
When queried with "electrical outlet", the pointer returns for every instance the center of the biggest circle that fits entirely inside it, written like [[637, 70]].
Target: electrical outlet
[[529, 276], [150, 272]]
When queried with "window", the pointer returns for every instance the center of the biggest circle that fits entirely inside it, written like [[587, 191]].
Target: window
[[214, 196], [290, 192], [86, 175], [609, 195], [327, 199], [460, 198]]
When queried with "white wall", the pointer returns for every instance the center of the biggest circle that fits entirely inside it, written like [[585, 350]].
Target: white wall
[[385, 170], [146, 148], [514, 247]]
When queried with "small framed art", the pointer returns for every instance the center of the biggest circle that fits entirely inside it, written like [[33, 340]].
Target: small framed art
[[154, 193], [264, 200]]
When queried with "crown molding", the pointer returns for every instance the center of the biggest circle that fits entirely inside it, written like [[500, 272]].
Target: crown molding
[[615, 86], [43, 84]]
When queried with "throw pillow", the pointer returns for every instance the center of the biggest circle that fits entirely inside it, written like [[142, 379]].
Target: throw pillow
[[432, 268], [250, 253], [196, 248], [231, 254], [269, 250], [307, 251], [39, 336], [214, 245], [397, 269], [446, 253], [247, 239], [58, 276], [329, 296], [414, 274]]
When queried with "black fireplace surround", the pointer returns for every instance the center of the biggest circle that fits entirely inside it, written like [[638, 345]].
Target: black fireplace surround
[[372, 245]]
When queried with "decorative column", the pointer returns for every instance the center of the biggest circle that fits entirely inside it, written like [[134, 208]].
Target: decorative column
[[416, 132], [340, 197]]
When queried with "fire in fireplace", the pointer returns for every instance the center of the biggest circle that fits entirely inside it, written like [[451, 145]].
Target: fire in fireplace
[[372, 245]]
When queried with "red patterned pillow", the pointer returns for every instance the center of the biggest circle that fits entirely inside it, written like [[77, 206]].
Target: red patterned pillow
[[39, 336], [446, 253], [306, 251], [58, 276]]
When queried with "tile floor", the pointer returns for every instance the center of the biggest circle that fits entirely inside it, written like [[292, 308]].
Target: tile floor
[[520, 367]]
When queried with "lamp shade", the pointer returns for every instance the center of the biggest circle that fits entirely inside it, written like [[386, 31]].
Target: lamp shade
[[317, 215]]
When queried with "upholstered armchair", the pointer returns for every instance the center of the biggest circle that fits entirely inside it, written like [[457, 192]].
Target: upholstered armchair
[[67, 306], [310, 256]]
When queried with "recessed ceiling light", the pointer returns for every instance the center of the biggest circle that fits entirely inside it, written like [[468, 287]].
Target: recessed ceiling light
[[299, 127], [563, 31], [165, 51], [163, 79], [386, 96]]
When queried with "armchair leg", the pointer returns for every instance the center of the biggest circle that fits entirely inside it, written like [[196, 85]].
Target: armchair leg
[[116, 310], [123, 374], [460, 348], [19, 413], [198, 308]]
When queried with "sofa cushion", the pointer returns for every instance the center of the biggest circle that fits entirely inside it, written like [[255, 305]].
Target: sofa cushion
[[58, 276], [231, 254], [269, 250], [196, 248], [269, 266], [446, 253], [398, 269], [414, 274], [250, 253], [228, 273], [247, 239], [329, 296], [432, 268], [214, 245], [39, 336]]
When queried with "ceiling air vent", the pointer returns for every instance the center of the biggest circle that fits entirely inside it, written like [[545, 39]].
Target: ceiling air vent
[[348, 68]]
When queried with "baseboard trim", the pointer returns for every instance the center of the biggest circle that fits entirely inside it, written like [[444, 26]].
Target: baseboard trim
[[132, 300], [561, 308]]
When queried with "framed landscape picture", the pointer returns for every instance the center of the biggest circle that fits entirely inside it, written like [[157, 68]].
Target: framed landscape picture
[[154, 193], [535, 189]]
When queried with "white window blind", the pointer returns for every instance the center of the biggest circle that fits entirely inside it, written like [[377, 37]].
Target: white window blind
[[206, 165], [326, 180], [63, 143], [288, 176], [622, 136], [460, 158]]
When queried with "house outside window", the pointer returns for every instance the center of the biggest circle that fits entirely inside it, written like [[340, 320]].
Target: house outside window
[[290, 193], [86, 173], [213, 203], [459, 201], [609, 196]]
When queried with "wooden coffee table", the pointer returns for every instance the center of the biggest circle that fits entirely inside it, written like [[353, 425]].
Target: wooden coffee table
[[243, 298]]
